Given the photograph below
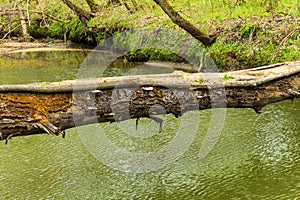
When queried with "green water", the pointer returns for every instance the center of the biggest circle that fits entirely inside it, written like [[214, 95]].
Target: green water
[[51, 66], [20, 68], [256, 157]]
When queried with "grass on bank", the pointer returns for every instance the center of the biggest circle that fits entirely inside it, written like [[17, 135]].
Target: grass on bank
[[252, 33]]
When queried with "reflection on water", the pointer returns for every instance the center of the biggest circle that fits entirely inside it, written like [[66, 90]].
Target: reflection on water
[[257, 157], [51, 66], [20, 68]]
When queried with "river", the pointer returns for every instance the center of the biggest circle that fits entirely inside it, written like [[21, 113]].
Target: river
[[255, 157]]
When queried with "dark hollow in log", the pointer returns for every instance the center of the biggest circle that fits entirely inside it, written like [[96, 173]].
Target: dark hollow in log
[[53, 107]]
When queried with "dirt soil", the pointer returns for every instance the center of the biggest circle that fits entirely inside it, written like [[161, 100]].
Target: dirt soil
[[14, 45]]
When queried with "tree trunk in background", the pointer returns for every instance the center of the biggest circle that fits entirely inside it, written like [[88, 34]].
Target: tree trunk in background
[[94, 7], [127, 6], [83, 15], [110, 2], [184, 24], [22, 19]]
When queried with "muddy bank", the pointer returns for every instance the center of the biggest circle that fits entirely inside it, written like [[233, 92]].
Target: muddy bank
[[46, 44]]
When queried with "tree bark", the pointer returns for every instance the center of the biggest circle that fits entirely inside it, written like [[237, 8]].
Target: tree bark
[[22, 19], [112, 2], [82, 14], [127, 6], [53, 107], [94, 7], [184, 24]]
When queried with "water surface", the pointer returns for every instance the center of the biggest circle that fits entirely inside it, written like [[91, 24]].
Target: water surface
[[51, 66], [256, 157]]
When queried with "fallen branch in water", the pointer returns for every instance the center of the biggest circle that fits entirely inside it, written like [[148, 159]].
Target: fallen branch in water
[[53, 107]]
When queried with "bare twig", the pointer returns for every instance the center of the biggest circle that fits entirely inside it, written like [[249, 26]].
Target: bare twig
[[27, 11], [9, 32], [289, 36]]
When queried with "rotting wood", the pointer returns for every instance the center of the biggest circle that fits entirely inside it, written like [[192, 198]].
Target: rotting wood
[[52, 107]]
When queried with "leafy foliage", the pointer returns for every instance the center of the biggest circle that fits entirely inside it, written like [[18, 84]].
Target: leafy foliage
[[251, 33]]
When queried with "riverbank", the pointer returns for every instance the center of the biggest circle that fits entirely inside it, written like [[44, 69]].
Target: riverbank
[[250, 34], [45, 44], [256, 41], [242, 43]]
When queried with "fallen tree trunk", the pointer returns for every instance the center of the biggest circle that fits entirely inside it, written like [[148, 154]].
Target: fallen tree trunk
[[54, 107]]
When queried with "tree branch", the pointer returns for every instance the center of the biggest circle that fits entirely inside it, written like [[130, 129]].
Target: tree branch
[[184, 24], [94, 7], [82, 14]]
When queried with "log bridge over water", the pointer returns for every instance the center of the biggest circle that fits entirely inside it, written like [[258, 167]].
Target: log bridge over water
[[52, 107]]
